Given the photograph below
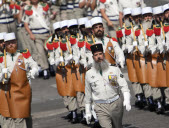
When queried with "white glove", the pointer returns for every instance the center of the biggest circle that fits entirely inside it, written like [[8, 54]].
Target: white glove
[[161, 48], [121, 64], [52, 62], [145, 43], [135, 43], [88, 115], [130, 49], [34, 72], [93, 113], [4, 70], [163, 42], [153, 50], [76, 60], [69, 57], [126, 101]]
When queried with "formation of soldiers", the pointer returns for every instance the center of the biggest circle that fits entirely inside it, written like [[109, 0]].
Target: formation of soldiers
[[86, 42]]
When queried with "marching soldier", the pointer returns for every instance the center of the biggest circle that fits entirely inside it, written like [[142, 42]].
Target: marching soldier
[[103, 84], [166, 22], [127, 47], [129, 4], [15, 93], [113, 53], [36, 22], [7, 20]]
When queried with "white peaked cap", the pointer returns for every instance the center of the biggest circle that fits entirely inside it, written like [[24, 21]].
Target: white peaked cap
[[165, 7], [147, 10], [9, 36], [72, 22], [88, 24], [56, 25], [82, 21], [64, 23], [2, 34], [136, 11], [126, 11], [157, 10], [96, 20]]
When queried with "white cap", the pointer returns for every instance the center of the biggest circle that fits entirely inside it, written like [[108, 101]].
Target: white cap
[[64, 23], [2, 34], [147, 10], [96, 20], [72, 22], [82, 21], [56, 25], [126, 11], [88, 24], [157, 10], [9, 36], [136, 11], [165, 7]]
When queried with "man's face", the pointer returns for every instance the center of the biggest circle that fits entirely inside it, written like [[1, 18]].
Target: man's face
[[65, 30], [88, 31], [137, 18], [158, 17], [11, 46], [147, 17], [1, 45], [166, 15], [98, 30], [98, 56], [34, 2]]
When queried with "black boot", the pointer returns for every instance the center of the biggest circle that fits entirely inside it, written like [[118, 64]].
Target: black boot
[[75, 118], [45, 74], [51, 69], [139, 102], [150, 103], [69, 116], [166, 106], [159, 107], [83, 119]]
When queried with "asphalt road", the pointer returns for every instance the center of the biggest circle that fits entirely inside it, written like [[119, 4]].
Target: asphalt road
[[48, 110]]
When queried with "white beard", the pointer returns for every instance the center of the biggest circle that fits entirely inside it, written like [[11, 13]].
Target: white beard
[[102, 65], [146, 25]]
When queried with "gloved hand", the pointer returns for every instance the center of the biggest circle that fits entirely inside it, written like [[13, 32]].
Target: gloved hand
[[34, 72], [145, 43], [52, 62], [88, 115], [121, 64], [76, 60], [135, 43], [130, 49], [126, 101], [4, 70]]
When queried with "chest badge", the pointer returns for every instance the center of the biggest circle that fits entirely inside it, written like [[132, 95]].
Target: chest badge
[[112, 79]]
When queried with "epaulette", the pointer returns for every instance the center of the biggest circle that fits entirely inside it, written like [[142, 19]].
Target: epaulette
[[1, 58], [45, 6], [149, 32], [166, 27], [56, 44], [81, 43], [73, 39], [157, 30], [49, 45], [88, 44], [137, 32], [128, 30], [18, 5], [102, 1], [114, 39], [12, 6], [63, 45], [29, 10], [119, 33], [26, 54]]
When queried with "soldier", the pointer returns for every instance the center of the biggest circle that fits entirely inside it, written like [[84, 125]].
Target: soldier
[[38, 26], [7, 21], [152, 69], [129, 4], [110, 14], [111, 48], [166, 22], [127, 47], [103, 84], [16, 93]]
